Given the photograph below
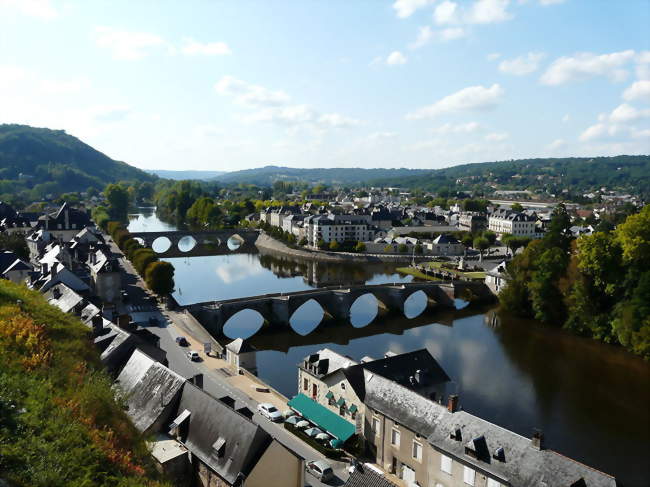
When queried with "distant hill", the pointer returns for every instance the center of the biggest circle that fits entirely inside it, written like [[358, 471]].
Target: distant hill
[[181, 175], [574, 174], [340, 176], [42, 161]]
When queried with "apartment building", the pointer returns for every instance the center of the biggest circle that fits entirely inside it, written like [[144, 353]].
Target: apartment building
[[471, 221], [339, 228], [504, 221]]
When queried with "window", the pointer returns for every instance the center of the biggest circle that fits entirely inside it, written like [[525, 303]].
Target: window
[[417, 451], [493, 483], [394, 438], [305, 384], [468, 475], [445, 464], [375, 426], [343, 385]]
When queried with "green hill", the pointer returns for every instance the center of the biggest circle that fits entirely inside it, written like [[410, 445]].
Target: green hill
[[267, 175], [39, 161]]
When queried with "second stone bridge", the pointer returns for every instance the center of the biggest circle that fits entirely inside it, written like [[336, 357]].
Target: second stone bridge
[[208, 242], [336, 302]]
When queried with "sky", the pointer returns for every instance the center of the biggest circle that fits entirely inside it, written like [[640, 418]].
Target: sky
[[228, 85]]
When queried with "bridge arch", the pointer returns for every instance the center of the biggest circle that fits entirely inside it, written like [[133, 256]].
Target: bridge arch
[[307, 317], [364, 310], [243, 324], [415, 303], [235, 242], [161, 244], [186, 243]]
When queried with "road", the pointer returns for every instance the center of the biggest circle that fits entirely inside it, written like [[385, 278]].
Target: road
[[142, 307]]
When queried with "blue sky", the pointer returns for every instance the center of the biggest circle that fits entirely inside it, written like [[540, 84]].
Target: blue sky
[[365, 83]]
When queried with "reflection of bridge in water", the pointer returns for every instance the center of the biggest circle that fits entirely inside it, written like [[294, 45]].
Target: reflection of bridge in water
[[336, 302], [201, 243]]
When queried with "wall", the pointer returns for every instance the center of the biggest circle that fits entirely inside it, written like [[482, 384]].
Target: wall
[[278, 467]]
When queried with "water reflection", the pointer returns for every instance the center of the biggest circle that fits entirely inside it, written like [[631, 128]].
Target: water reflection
[[364, 310], [243, 324], [186, 243], [415, 304], [307, 317], [161, 245]]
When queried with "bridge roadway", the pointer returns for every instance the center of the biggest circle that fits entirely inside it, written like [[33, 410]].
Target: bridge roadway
[[336, 302], [208, 242]]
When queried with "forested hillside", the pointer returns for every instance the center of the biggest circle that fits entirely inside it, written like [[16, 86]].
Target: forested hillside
[[35, 162]]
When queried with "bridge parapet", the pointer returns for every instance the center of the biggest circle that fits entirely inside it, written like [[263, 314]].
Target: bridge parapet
[[208, 242]]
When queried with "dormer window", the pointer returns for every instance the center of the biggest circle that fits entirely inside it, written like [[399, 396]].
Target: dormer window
[[219, 447]]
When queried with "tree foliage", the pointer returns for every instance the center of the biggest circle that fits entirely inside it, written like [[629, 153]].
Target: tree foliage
[[159, 277]]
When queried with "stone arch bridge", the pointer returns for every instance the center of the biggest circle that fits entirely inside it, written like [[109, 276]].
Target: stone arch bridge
[[208, 242], [336, 302]]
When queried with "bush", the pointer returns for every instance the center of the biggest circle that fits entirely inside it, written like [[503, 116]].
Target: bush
[[303, 242], [322, 244], [360, 247], [334, 246], [388, 249], [142, 258], [402, 248]]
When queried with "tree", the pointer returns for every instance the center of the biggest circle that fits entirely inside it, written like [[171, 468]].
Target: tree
[[402, 248], [388, 249], [159, 277], [15, 243], [322, 244], [118, 201], [514, 242], [632, 319], [517, 207], [558, 234], [418, 249], [303, 242], [467, 239], [142, 258], [491, 236], [481, 244], [634, 238], [360, 247], [334, 245]]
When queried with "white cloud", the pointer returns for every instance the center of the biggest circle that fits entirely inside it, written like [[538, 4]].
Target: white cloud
[[639, 90], [395, 58], [446, 13], [594, 132], [522, 65], [557, 144], [425, 35], [627, 113], [275, 106], [497, 137], [641, 134], [452, 33], [250, 94], [470, 98], [406, 8], [33, 8], [73, 85], [127, 45], [493, 56], [587, 65], [461, 128], [489, 11], [195, 48]]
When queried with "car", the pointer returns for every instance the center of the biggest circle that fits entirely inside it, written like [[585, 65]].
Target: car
[[193, 355], [321, 470], [269, 411], [182, 341]]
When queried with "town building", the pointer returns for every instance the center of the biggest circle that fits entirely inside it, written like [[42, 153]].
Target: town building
[[503, 221], [471, 221], [64, 223], [496, 278], [445, 245], [339, 228]]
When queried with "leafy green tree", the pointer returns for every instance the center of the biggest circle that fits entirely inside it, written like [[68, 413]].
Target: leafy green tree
[[388, 249], [118, 201], [14, 242], [322, 244], [418, 249], [334, 246], [632, 319], [142, 258], [303, 242], [360, 247], [481, 244], [491, 237], [558, 234], [159, 277], [517, 207], [634, 238], [402, 248]]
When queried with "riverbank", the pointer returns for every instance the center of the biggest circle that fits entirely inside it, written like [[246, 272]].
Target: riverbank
[[266, 242], [434, 271]]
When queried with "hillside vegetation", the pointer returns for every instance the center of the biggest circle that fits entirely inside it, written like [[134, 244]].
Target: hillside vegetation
[[59, 422], [35, 162]]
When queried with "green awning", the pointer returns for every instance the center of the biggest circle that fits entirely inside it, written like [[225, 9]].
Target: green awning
[[340, 402], [332, 423], [329, 395], [353, 408]]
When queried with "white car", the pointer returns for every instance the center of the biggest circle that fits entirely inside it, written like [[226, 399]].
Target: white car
[[269, 411], [193, 355]]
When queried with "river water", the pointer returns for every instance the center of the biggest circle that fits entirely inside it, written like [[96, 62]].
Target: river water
[[590, 399]]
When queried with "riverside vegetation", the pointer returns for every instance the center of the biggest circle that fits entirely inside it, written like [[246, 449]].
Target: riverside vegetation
[[60, 423], [596, 285]]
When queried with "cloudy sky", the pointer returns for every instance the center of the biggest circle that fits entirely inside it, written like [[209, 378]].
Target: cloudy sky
[[227, 85]]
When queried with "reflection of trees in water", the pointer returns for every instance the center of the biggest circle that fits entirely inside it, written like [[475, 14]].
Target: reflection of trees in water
[[318, 273], [581, 377]]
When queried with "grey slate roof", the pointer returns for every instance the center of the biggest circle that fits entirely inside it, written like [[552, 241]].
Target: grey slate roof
[[524, 466], [149, 387], [400, 368], [67, 299], [213, 425], [365, 477]]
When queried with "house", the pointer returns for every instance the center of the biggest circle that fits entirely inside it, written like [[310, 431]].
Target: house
[[504, 221], [64, 223], [445, 245], [470, 221], [339, 228], [105, 274], [367, 476], [14, 269], [496, 278], [241, 354]]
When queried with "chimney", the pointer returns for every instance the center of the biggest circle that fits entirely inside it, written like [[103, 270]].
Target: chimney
[[98, 324], [44, 268], [56, 292], [452, 403], [537, 440], [197, 380]]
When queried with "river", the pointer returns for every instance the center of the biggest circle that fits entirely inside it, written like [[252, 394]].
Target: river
[[590, 399]]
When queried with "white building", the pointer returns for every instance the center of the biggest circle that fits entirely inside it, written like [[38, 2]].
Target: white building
[[339, 228], [504, 221]]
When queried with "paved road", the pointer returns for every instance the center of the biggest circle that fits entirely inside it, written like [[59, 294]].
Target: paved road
[[141, 307]]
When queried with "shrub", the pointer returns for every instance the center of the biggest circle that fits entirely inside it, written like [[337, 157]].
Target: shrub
[[334, 246], [360, 247], [402, 248], [322, 244], [388, 249], [303, 242]]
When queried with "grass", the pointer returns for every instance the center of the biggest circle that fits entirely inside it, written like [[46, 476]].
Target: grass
[[439, 266], [60, 424]]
